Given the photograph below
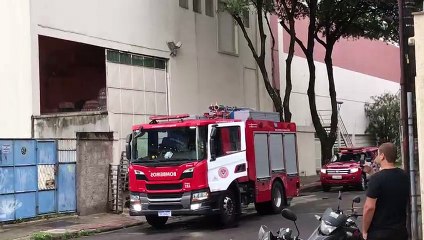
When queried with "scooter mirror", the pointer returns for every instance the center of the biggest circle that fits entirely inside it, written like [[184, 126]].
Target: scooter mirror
[[288, 214], [357, 199], [340, 195]]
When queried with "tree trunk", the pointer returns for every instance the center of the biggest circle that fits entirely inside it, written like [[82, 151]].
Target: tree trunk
[[289, 60], [260, 60], [332, 136], [319, 129], [276, 99], [326, 151]]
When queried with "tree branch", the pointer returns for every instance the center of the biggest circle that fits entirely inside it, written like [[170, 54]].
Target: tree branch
[[246, 36], [261, 29], [320, 40], [298, 41], [272, 51]]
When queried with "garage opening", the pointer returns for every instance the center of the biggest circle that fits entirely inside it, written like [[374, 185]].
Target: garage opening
[[72, 76]]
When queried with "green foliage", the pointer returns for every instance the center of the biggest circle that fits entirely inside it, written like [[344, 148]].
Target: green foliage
[[234, 7], [372, 19], [64, 236], [384, 118], [42, 236]]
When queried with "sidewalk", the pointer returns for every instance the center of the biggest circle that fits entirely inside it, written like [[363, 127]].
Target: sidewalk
[[309, 183], [68, 226]]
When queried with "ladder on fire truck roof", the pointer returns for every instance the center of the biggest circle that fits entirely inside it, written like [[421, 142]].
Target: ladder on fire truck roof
[[221, 111]]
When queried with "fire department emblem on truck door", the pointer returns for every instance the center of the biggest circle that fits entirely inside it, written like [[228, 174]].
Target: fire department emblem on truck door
[[223, 172]]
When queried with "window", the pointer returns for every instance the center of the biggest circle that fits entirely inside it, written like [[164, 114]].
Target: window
[[227, 141], [184, 4], [246, 18], [209, 7], [72, 76], [171, 144], [135, 60], [227, 32], [197, 6]]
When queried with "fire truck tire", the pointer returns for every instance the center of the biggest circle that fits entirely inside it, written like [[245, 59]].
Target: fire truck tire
[[228, 209], [278, 198], [156, 222]]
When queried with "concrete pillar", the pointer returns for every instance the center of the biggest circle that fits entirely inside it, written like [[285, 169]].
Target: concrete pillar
[[94, 154], [419, 91]]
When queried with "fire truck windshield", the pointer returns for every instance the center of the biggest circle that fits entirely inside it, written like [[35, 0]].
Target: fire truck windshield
[[170, 144], [348, 157]]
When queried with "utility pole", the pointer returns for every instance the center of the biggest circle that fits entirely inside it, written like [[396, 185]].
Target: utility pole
[[419, 48], [407, 82]]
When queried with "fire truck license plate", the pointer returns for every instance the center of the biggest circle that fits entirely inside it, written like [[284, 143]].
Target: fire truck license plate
[[164, 214], [337, 177]]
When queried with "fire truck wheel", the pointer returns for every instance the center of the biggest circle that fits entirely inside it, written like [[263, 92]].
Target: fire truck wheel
[[155, 221], [228, 207], [278, 198]]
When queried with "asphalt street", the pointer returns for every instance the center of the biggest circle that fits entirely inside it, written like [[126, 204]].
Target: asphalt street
[[306, 207]]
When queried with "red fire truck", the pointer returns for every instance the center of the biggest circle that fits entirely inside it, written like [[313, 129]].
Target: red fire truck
[[215, 164], [345, 168]]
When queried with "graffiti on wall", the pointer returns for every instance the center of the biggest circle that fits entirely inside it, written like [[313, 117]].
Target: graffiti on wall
[[8, 207]]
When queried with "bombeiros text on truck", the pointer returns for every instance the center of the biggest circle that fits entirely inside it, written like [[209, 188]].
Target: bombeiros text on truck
[[215, 164]]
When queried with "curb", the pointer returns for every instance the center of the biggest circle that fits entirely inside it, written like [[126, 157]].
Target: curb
[[79, 233], [312, 187]]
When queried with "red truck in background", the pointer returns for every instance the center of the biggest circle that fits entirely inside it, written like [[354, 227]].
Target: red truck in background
[[214, 164], [345, 168]]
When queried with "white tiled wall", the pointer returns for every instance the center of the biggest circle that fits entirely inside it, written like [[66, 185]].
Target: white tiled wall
[[133, 94]]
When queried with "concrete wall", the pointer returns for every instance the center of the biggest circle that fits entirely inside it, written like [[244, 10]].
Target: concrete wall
[[94, 154], [15, 69], [67, 125], [198, 76]]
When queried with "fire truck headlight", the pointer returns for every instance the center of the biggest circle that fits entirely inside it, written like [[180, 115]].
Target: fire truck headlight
[[135, 202], [323, 170], [137, 207], [195, 206], [354, 170], [138, 172], [199, 196], [134, 198]]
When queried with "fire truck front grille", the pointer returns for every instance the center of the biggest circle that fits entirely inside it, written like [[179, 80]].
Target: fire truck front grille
[[154, 187], [164, 195], [338, 171], [165, 207]]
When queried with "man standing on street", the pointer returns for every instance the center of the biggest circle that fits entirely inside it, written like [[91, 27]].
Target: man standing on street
[[387, 198]]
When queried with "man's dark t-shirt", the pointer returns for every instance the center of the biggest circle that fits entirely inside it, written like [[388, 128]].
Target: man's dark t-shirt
[[391, 189]]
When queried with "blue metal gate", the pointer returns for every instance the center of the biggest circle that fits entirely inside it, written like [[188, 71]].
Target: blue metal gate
[[67, 168], [28, 173]]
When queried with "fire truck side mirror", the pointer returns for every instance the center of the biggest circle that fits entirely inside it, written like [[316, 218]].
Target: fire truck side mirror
[[212, 143], [128, 147]]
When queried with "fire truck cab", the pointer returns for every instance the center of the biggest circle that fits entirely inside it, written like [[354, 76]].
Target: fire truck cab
[[346, 168], [215, 164]]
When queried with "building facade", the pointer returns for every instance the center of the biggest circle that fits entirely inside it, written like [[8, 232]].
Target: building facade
[[104, 65]]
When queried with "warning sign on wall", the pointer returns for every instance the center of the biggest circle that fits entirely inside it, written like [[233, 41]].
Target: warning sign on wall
[[5, 149]]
